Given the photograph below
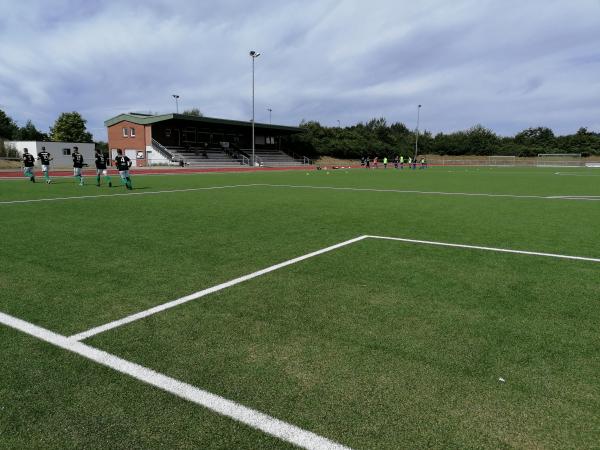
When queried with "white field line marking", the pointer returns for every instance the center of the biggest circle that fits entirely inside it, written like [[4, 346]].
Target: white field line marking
[[52, 199], [204, 292], [491, 249], [399, 191], [578, 197], [255, 419], [567, 174]]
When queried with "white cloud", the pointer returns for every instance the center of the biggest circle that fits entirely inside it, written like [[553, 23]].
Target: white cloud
[[505, 64]]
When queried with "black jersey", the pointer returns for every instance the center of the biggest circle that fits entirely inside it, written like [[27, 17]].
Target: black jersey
[[77, 160], [44, 157], [123, 162], [28, 160], [100, 161]]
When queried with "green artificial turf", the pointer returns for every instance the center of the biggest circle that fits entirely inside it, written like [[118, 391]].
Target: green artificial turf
[[380, 344]]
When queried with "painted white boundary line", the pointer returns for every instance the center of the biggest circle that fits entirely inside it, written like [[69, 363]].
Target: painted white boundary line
[[255, 419], [464, 194], [204, 292], [332, 188], [491, 249], [53, 199], [142, 314]]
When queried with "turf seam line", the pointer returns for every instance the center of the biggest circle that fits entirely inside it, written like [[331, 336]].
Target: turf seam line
[[255, 419], [204, 292], [492, 249], [126, 194]]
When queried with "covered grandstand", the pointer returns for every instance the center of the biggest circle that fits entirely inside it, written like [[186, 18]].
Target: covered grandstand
[[179, 139]]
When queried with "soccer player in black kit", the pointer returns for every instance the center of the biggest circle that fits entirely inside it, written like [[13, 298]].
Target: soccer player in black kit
[[101, 169], [45, 159], [77, 165], [123, 164], [28, 163]]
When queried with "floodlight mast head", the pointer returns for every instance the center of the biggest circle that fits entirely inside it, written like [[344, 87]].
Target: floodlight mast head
[[254, 54], [176, 97]]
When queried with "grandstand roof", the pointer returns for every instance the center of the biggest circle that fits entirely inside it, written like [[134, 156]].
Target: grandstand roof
[[147, 119]]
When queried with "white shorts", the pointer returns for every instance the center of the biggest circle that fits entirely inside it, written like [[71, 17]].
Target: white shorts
[[101, 172], [45, 167], [124, 173], [76, 171]]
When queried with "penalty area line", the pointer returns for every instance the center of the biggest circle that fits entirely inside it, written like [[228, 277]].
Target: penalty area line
[[204, 292], [248, 416], [490, 249]]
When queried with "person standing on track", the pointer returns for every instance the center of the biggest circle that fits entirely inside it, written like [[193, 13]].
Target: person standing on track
[[77, 165], [45, 159], [123, 164], [28, 163], [101, 169]]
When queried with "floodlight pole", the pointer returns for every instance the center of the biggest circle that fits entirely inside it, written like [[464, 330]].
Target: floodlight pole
[[176, 97], [417, 134], [270, 111], [254, 55]]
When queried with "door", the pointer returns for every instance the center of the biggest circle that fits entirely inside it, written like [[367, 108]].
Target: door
[[132, 155]]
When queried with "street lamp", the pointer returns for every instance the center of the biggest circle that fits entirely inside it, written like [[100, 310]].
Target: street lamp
[[339, 125], [270, 111], [176, 97], [417, 137], [253, 55]]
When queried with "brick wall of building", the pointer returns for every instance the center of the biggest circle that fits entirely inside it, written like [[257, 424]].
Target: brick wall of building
[[118, 139]]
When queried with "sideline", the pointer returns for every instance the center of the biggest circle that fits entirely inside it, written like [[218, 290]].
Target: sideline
[[255, 419]]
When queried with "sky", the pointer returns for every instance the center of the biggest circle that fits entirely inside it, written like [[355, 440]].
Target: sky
[[507, 65]]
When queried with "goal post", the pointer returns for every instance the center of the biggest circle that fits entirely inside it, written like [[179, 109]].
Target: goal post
[[507, 161], [559, 160]]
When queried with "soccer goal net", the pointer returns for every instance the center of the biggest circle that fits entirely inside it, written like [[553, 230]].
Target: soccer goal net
[[502, 161], [559, 160]]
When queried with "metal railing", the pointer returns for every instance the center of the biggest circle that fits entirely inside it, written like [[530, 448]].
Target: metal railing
[[162, 150]]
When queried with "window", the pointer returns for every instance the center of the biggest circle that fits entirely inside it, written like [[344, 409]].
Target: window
[[132, 132], [125, 131], [66, 151], [168, 132], [270, 140]]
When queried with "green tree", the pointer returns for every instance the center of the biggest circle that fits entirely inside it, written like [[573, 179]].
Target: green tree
[[535, 136], [102, 146], [70, 127], [30, 133], [193, 112], [8, 128]]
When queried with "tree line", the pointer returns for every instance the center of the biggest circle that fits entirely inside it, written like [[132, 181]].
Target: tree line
[[377, 138], [68, 127]]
